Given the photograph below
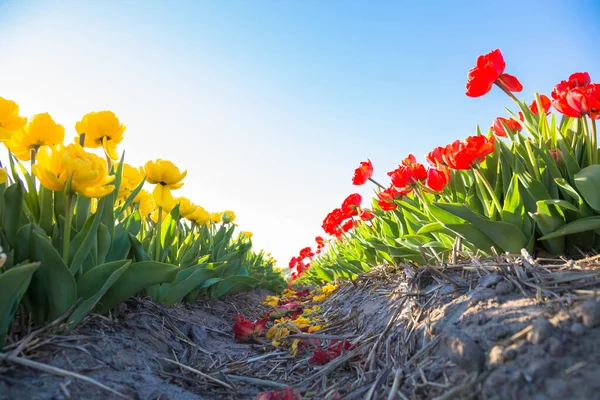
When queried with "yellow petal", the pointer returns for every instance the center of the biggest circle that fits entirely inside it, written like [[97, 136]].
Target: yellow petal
[[162, 196]]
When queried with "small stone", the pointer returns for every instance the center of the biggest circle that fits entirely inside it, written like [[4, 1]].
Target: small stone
[[539, 370], [510, 354], [496, 356], [503, 288], [541, 330], [590, 313], [464, 352], [577, 329], [555, 347], [490, 280]]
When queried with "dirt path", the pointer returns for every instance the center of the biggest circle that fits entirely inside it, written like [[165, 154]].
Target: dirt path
[[447, 334]]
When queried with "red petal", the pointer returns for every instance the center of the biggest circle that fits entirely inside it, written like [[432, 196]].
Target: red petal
[[510, 82]]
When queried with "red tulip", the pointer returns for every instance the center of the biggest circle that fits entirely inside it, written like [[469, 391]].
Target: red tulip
[[348, 225], [387, 198], [437, 179], [363, 173], [463, 155], [293, 262], [287, 394], [408, 173], [245, 330], [513, 125], [351, 204], [488, 71], [593, 99], [334, 350], [436, 156], [333, 220], [366, 215], [569, 97], [306, 253]]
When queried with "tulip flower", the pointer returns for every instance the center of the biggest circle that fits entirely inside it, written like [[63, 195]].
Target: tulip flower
[[186, 207], [10, 121], [363, 173], [100, 129], [130, 180], [437, 179], [512, 125], [145, 203], [351, 204], [436, 156], [228, 217], [488, 71], [464, 155], [166, 176], [73, 169], [287, 394], [41, 130], [215, 217], [246, 330]]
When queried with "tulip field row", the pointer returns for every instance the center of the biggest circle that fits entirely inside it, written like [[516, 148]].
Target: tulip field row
[[532, 182], [79, 233]]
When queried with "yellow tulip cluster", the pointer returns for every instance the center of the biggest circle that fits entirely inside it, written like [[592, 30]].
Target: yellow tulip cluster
[[72, 169]]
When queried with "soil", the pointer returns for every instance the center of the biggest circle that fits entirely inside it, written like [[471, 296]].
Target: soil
[[495, 330]]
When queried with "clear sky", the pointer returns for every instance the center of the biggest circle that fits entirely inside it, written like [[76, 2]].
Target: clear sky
[[270, 105]]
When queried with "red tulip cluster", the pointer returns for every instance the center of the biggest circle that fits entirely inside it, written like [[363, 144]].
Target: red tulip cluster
[[246, 330], [299, 264], [514, 126], [577, 97]]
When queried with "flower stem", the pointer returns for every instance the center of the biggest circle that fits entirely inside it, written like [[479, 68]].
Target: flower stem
[[158, 235], [508, 92], [591, 141], [67, 228], [32, 153], [594, 142], [377, 183], [487, 185]]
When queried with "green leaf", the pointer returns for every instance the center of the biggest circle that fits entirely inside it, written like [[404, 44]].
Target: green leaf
[[55, 280], [587, 182], [13, 282], [549, 218], [14, 195], [581, 225], [178, 291], [231, 284], [513, 210], [93, 285], [46, 210], [84, 240], [506, 236], [138, 276]]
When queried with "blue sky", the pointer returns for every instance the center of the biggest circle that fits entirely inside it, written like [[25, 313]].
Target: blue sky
[[270, 105]]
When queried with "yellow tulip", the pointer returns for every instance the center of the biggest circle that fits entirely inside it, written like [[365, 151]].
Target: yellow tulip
[[55, 166], [245, 234], [228, 216], [215, 217], [40, 131], [130, 180], [201, 216], [101, 129], [186, 207], [10, 121], [3, 175], [145, 202], [166, 176]]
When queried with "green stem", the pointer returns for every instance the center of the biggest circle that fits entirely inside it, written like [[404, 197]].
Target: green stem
[[487, 185], [33, 153], [377, 183], [158, 235], [594, 142], [508, 92], [67, 228], [591, 141], [534, 168]]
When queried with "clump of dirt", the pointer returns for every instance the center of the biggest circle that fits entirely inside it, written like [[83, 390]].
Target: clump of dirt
[[504, 328]]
